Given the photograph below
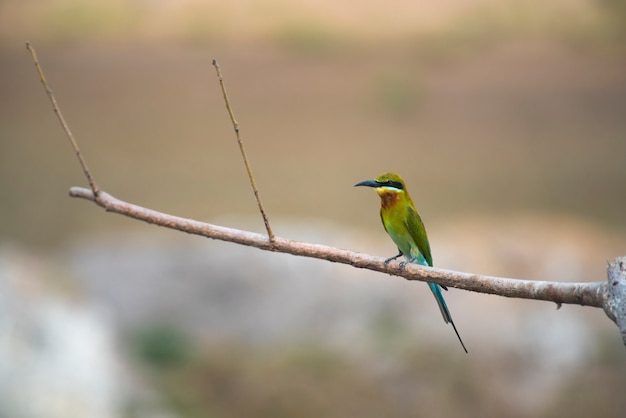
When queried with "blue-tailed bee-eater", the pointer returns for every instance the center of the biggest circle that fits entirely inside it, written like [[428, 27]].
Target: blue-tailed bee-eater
[[406, 229]]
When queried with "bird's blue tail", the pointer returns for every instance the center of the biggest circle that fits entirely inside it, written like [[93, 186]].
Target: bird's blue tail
[[418, 258], [443, 307]]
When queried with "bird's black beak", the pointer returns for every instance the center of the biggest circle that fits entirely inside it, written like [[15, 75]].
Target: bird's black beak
[[368, 183]]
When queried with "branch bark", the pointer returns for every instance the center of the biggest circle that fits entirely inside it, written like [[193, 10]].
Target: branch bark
[[615, 298]]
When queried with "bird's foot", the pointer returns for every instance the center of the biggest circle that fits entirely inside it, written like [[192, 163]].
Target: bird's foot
[[395, 257]]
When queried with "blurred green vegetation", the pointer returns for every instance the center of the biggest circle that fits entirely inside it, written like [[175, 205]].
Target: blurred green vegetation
[[614, 11], [72, 20], [309, 380], [162, 346], [304, 27], [307, 38]]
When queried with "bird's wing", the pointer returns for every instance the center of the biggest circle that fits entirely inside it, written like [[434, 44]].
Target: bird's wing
[[416, 228], [383, 220]]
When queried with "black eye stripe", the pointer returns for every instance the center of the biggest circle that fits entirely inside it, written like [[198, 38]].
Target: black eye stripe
[[394, 184]]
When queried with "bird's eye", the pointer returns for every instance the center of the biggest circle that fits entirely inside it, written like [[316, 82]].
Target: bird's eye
[[389, 182]]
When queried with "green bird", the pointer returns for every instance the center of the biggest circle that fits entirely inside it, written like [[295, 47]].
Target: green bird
[[406, 229]]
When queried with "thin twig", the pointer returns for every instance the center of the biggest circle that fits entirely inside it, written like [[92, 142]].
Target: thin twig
[[270, 234], [92, 183], [588, 294]]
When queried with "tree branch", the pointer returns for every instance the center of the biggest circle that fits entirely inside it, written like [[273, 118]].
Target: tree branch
[[588, 294]]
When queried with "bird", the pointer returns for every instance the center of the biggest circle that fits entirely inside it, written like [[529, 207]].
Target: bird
[[405, 227]]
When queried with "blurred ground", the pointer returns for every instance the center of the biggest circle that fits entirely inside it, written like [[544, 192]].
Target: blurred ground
[[507, 122]]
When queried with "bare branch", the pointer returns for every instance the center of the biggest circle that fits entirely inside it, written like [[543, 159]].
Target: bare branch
[[270, 234], [589, 294], [92, 183]]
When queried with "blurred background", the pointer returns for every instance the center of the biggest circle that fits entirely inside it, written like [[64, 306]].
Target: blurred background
[[507, 121]]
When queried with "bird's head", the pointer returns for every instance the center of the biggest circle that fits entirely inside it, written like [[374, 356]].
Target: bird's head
[[389, 186], [385, 183]]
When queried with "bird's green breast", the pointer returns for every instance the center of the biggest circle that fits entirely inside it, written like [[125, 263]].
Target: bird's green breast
[[393, 218], [404, 226]]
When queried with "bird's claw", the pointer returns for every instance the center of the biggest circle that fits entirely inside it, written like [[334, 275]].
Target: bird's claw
[[395, 257]]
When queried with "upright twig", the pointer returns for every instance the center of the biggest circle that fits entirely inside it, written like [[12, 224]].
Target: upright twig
[[92, 183], [270, 234]]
